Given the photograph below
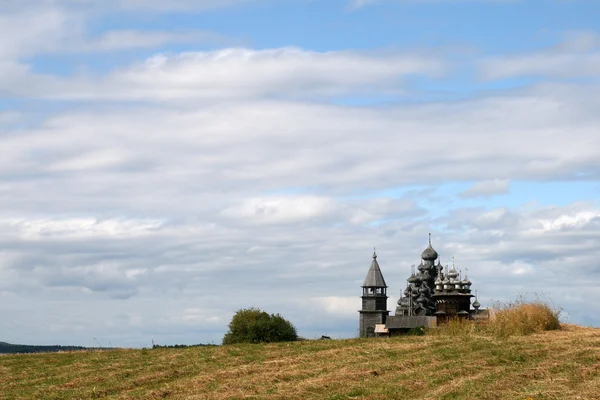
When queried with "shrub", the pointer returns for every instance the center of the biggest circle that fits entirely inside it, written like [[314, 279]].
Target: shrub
[[417, 331], [252, 325]]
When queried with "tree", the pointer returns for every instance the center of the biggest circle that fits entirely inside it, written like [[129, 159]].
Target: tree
[[251, 325]]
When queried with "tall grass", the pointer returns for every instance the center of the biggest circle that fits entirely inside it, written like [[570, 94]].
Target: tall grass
[[521, 317], [458, 327]]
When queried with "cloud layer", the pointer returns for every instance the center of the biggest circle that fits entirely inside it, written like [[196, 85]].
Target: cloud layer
[[151, 198]]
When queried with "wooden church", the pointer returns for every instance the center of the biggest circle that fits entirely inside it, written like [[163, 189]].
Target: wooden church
[[433, 295]]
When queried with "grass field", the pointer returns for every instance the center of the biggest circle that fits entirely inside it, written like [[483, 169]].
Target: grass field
[[563, 364]]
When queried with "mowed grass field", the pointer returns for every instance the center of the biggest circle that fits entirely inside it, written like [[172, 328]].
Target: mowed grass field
[[563, 364]]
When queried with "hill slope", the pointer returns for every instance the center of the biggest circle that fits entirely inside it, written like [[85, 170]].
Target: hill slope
[[553, 365]]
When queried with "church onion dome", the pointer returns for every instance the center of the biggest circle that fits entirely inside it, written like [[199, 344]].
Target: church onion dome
[[476, 304], [429, 254], [413, 279], [374, 276], [438, 281], [453, 274], [466, 281]]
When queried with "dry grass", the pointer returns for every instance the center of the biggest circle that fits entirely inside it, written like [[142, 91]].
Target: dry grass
[[561, 364], [459, 328], [523, 318], [518, 318]]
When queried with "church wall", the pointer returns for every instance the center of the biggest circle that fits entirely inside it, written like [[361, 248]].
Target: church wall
[[368, 305], [368, 322]]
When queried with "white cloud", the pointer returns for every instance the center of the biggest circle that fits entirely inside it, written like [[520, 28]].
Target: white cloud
[[577, 56], [77, 228], [487, 188], [238, 73], [28, 33], [338, 305], [131, 39], [9, 117], [572, 220], [295, 209], [260, 146], [62, 31], [281, 209], [311, 273]]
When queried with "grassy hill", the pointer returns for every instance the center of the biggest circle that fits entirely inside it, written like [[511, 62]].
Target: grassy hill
[[563, 364]]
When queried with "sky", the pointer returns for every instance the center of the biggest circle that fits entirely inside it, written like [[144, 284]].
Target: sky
[[164, 164]]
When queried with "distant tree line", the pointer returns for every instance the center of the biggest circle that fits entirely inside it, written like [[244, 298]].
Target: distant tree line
[[180, 346], [7, 348]]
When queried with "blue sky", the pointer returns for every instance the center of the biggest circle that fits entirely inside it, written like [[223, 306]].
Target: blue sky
[[164, 164]]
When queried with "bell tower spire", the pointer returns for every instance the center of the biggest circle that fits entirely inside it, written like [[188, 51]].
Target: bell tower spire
[[374, 300]]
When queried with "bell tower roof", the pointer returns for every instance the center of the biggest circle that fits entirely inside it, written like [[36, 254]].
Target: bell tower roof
[[374, 276]]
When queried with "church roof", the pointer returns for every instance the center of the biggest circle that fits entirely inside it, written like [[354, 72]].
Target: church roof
[[374, 276], [429, 253]]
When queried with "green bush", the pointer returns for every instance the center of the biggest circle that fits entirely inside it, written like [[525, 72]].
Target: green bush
[[251, 325], [417, 331]]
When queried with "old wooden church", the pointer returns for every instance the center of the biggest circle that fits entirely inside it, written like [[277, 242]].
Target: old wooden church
[[433, 294]]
